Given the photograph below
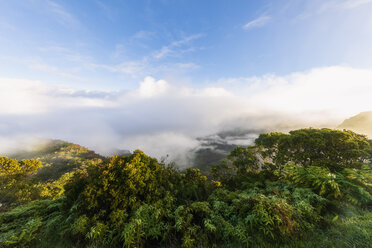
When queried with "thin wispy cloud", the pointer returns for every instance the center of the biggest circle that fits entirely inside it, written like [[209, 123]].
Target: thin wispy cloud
[[259, 22], [163, 52], [54, 70], [128, 67], [150, 64], [66, 54], [141, 68], [172, 48], [70, 63], [61, 14], [108, 12], [142, 34], [186, 40], [153, 63]]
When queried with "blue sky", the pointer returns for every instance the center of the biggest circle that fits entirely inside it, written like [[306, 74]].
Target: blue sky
[[113, 45], [156, 75]]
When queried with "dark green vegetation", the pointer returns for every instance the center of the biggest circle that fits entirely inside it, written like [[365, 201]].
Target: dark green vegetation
[[308, 188]]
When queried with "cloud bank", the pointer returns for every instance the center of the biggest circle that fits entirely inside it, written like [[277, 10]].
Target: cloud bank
[[163, 117]]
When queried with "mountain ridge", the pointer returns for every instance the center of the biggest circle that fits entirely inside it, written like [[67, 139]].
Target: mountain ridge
[[360, 123]]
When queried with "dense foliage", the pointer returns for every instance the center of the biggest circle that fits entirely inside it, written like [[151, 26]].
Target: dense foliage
[[16, 185], [308, 188]]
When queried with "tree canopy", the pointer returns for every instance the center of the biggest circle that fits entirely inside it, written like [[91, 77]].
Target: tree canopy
[[307, 188]]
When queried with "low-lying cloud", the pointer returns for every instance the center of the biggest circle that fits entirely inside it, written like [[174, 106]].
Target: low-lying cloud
[[163, 118]]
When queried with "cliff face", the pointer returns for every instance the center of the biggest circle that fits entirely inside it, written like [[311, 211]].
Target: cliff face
[[360, 123]]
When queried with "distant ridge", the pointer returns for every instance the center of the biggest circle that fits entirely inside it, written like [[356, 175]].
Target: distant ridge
[[360, 123], [58, 157]]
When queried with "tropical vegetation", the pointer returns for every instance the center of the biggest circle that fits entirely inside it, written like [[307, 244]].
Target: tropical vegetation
[[306, 188]]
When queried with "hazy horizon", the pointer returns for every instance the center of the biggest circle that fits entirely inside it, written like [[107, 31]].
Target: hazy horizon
[[158, 75]]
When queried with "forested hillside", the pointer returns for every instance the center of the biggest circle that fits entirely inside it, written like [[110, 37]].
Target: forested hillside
[[42, 171], [58, 157], [307, 188]]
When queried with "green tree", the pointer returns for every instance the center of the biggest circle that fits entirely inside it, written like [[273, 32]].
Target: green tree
[[334, 149], [17, 185]]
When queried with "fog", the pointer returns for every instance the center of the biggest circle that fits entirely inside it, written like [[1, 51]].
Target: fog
[[166, 118]]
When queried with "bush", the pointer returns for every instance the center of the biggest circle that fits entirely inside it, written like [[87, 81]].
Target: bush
[[308, 188]]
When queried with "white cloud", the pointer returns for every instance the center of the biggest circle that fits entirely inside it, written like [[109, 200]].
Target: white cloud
[[340, 90], [27, 97], [165, 117], [149, 87], [259, 22], [163, 144]]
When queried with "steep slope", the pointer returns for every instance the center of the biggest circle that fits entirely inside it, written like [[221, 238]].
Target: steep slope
[[360, 123], [58, 157]]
